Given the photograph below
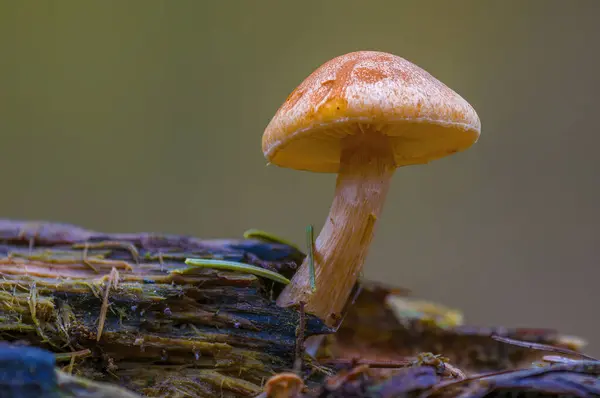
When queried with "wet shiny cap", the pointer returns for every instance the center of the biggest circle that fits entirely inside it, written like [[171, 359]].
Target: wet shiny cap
[[369, 91]]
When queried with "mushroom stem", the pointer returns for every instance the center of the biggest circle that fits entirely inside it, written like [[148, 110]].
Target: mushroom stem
[[366, 167]]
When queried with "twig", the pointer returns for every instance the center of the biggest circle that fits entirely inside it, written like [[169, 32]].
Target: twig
[[71, 365], [68, 355], [112, 280], [111, 244], [85, 259], [300, 340], [541, 347]]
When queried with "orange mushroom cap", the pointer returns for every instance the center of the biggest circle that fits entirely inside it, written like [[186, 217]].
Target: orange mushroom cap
[[369, 91]]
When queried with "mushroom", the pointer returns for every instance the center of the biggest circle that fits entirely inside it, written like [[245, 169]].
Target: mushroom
[[360, 115], [284, 385]]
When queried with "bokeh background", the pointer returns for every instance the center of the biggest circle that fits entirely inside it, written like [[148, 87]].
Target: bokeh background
[[128, 116]]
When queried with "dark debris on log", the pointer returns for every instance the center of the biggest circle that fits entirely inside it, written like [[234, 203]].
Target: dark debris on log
[[373, 332], [580, 379]]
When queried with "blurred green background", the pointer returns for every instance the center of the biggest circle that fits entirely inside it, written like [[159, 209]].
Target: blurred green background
[[129, 116]]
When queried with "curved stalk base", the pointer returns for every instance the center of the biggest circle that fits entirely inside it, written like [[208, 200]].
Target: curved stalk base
[[366, 167]]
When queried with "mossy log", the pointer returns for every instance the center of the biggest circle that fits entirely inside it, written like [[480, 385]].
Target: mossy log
[[149, 326], [122, 315]]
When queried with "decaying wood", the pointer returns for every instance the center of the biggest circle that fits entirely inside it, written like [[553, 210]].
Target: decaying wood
[[121, 315], [580, 379], [154, 330], [381, 353], [372, 331]]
